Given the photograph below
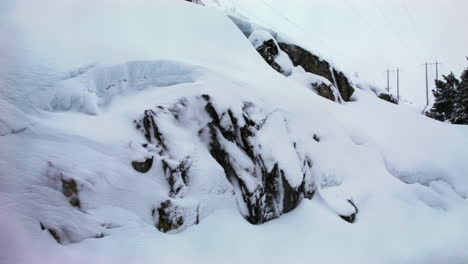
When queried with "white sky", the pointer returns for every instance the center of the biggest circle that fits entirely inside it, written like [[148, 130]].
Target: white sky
[[369, 36]]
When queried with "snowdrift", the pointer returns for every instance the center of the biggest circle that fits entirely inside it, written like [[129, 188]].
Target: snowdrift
[[140, 137]]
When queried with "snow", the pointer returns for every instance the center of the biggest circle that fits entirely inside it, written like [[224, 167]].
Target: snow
[[407, 174], [370, 36], [260, 36]]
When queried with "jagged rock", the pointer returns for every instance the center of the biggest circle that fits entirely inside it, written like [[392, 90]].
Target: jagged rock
[[70, 190], [351, 218], [263, 187], [265, 183], [324, 91], [176, 171], [64, 183], [388, 97], [177, 175], [144, 166], [198, 2], [167, 219], [269, 50], [344, 85], [273, 195], [313, 64], [170, 216]]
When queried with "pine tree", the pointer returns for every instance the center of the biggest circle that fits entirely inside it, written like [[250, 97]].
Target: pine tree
[[460, 109], [445, 96]]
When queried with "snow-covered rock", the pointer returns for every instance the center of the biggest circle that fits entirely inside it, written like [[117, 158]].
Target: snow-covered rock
[[312, 71], [163, 136]]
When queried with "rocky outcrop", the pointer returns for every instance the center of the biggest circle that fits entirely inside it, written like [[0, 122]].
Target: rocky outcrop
[[70, 190], [166, 217], [268, 50], [67, 185], [273, 194], [314, 64], [285, 58], [75, 225], [143, 166], [388, 97], [266, 183], [325, 91]]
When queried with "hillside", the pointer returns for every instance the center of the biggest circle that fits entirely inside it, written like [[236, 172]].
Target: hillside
[[167, 132]]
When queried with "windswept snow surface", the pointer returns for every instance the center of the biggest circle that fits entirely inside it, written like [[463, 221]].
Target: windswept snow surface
[[73, 83]]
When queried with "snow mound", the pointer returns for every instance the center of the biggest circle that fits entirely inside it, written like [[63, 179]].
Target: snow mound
[[137, 170], [279, 60], [94, 88]]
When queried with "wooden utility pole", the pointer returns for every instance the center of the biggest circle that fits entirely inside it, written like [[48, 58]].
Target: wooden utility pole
[[427, 88], [427, 80], [388, 80], [398, 83]]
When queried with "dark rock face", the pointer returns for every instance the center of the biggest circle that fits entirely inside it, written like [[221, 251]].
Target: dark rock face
[[144, 166], [70, 190], [263, 189], [167, 217], [344, 86], [176, 171], [199, 2], [350, 218], [177, 175], [65, 184], [313, 64], [324, 91], [273, 195], [265, 183], [388, 97], [268, 50]]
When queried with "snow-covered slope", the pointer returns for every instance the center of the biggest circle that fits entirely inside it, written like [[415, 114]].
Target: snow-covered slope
[[137, 136]]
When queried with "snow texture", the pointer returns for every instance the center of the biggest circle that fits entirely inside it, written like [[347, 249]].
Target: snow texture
[[389, 185]]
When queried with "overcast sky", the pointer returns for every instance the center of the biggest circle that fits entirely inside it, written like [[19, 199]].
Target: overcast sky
[[369, 36]]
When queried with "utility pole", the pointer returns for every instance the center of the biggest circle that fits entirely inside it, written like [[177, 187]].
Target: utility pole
[[427, 80], [398, 83], [388, 80], [427, 88]]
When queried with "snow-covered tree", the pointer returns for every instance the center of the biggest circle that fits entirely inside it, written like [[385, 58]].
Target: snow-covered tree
[[460, 109], [445, 97]]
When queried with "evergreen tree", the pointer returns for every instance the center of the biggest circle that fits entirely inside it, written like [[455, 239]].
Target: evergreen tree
[[445, 97], [460, 109]]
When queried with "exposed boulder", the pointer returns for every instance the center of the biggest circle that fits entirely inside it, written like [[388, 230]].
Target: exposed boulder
[[70, 190], [388, 97], [268, 180], [291, 60], [324, 91], [174, 215], [144, 166], [268, 50], [352, 217], [62, 182], [166, 217], [314, 64], [272, 194]]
